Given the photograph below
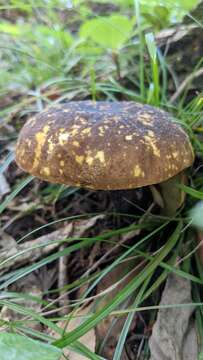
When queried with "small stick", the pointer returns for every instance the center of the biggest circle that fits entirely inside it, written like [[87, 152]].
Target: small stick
[[185, 83]]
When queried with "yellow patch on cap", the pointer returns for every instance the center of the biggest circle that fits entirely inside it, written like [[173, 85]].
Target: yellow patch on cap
[[86, 131], [40, 139], [128, 137], [175, 154], [151, 133], [137, 171], [51, 145], [101, 131], [20, 152], [74, 132], [145, 119], [76, 143], [32, 121], [63, 137], [46, 171], [89, 160], [28, 142], [79, 159], [151, 141], [82, 120], [100, 156]]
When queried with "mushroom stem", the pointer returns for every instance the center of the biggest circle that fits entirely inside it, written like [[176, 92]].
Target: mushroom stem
[[173, 197]]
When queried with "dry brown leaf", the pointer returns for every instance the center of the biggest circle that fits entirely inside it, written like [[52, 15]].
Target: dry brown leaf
[[173, 34], [34, 253], [173, 335], [109, 329], [89, 339], [74, 229], [32, 285]]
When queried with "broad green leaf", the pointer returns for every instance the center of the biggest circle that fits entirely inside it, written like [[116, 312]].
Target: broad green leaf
[[10, 29], [17, 347], [109, 32]]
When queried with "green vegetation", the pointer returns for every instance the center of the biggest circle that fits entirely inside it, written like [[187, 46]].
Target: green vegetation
[[59, 50]]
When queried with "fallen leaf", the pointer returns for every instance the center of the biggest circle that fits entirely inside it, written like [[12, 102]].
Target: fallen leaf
[[89, 339], [173, 34], [32, 250], [32, 285], [174, 336], [108, 330]]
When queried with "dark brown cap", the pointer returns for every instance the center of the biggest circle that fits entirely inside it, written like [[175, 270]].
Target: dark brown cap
[[103, 145]]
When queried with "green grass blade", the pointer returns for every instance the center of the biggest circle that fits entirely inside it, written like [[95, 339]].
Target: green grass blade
[[7, 161], [122, 295], [16, 191]]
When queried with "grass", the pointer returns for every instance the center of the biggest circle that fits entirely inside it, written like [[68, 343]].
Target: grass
[[45, 61]]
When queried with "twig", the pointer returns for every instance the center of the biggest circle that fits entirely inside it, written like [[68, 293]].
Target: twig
[[62, 282], [185, 83]]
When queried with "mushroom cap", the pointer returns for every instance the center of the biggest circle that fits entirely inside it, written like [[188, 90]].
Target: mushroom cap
[[103, 145]]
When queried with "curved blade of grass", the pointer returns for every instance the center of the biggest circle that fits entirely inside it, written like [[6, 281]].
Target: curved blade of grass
[[21, 327], [20, 309], [27, 270], [82, 349], [121, 257], [157, 307], [22, 296], [174, 269], [10, 197], [122, 295], [106, 235], [126, 327], [115, 263], [54, 222], [7, 161], [23, 52], [190, 191], [69, 239], [14, 276]]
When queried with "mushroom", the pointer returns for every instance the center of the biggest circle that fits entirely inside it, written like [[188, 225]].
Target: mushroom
[[105, 146]]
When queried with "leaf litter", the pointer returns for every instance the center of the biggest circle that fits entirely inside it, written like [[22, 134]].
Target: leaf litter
[[174, 335]]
